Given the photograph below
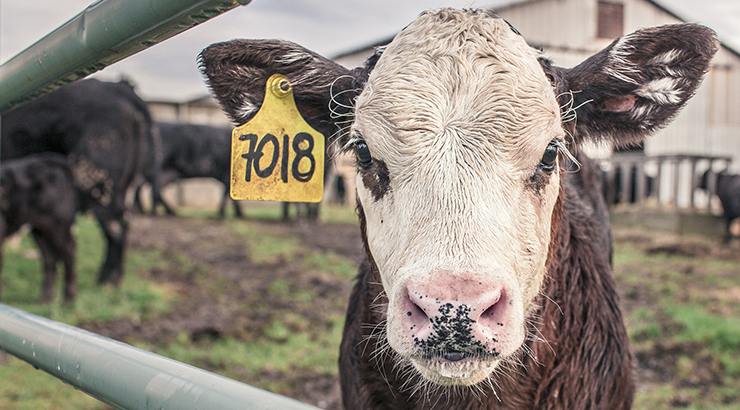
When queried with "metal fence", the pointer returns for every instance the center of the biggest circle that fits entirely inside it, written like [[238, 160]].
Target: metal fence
[[663, 181], [105, 32], [118, 374], [123, 376]]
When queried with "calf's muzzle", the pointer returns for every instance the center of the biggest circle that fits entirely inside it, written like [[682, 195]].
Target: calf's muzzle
[[451, 319]]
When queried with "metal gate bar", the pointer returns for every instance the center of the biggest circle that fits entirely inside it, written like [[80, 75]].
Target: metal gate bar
[[123, 376], [105, 32]]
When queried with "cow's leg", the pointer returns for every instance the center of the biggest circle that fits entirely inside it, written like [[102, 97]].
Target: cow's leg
[[138, 207], [49, 260], [2, 240], [115, 228], [728, 230], [312, 211], [155, 200], [165, 178], [158, 199], [167, 208], [237, 209], [66, 246], [286, 211], [222, 204]]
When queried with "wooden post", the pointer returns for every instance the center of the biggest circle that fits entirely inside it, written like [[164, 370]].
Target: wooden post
[[658, 180], [641, 181], [692, 183], [676, 170], [624, 192]]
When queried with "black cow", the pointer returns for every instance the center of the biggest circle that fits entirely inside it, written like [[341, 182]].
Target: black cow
[[38, 190], [101, 128], [199, 151], [190, 151], [728, 191]]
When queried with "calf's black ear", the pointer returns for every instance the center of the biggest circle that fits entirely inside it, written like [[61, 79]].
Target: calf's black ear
[[236, 72], [637, 84]]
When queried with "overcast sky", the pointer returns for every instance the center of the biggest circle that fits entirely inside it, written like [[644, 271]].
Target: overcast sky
[[168, 70]]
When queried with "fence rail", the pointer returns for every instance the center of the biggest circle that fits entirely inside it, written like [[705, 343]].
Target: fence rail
[[667, 180], [105, 32], [123, 376]]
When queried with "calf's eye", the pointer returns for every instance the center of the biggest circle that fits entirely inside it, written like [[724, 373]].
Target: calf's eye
[[550, 156], [363, 155]]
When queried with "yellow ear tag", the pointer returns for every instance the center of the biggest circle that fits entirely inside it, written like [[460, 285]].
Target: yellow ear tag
[[277, 156]]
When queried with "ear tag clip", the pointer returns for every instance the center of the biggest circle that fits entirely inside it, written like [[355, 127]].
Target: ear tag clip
[[277, 156]]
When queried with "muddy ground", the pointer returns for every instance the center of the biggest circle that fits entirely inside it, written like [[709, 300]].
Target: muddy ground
[[207, 310], [221, 307]]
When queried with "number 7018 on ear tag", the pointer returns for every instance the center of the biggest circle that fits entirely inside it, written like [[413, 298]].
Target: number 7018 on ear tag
[[277, 156]]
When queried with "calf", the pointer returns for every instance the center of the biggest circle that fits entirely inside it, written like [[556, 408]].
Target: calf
[[38, 191], [191, 151], [728, 191], [101, 128], [487, 282]]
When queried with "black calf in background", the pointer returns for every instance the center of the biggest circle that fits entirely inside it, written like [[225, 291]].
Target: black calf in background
[[728, 191], [102, 129], [38, 190]]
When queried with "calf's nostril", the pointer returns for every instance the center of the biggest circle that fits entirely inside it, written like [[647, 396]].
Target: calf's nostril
[[415, 312], [454, 356], [494, 310]]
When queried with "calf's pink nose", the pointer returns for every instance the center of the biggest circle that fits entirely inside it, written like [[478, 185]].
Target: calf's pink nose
[[452, 315]]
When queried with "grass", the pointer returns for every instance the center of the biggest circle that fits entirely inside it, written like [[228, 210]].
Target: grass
[[330, 263], [280, 350], [24, 388], [684, 313]]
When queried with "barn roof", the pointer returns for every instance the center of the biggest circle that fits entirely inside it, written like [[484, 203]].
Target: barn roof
[[711, 18], [682, 10]]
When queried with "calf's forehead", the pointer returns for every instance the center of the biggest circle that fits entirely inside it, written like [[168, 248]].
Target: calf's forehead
[[460, 71]]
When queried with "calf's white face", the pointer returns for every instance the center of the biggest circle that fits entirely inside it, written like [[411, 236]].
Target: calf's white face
[[457, 200]]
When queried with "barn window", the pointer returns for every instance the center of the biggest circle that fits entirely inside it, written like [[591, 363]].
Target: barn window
[[610, 20]]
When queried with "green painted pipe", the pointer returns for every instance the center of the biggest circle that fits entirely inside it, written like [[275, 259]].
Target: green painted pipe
[[123, 376], [105, 32]]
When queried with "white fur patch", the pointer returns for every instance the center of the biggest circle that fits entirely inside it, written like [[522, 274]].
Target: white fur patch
[[247, 109], [662, 91], [665, 59], [642, 115], [621, 65], [292, 58]]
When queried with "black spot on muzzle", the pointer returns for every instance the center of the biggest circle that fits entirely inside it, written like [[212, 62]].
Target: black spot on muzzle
[[452, 337]]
